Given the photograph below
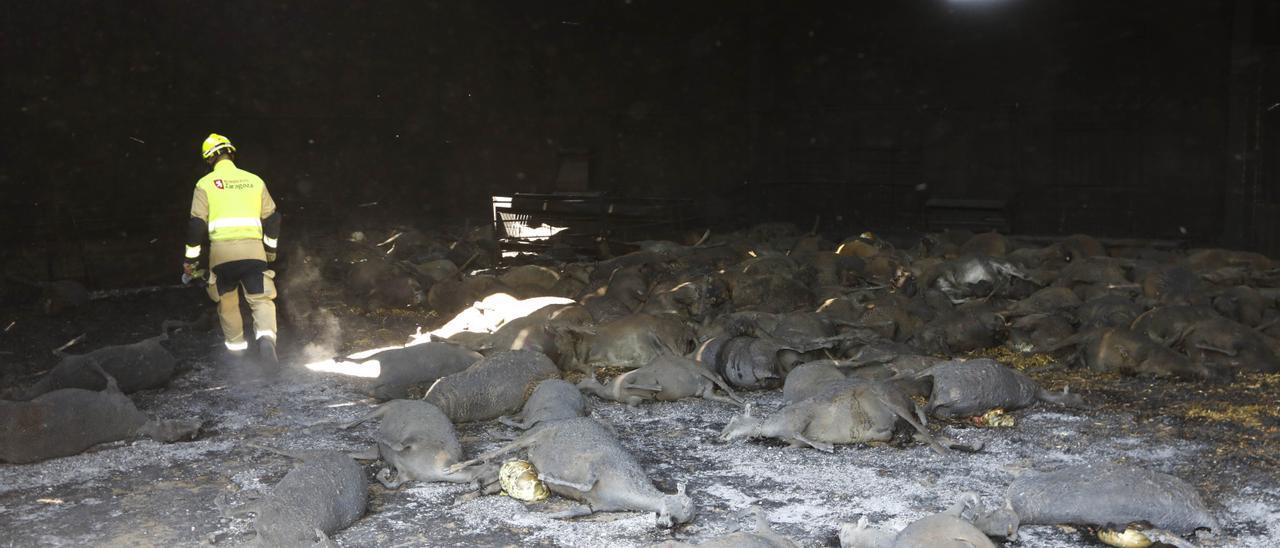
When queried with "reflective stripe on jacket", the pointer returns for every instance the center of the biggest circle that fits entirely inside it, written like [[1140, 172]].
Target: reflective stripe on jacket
[[235, 202]]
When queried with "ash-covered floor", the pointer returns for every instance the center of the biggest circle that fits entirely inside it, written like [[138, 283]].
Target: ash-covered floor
[[1220, 436], [144, 493]]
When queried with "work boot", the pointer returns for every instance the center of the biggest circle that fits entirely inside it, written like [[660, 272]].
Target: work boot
[[234, 358], [267, 355]]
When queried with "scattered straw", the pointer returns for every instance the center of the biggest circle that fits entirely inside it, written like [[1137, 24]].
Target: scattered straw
[[1012, 358], [1252, 416], [572, 377]]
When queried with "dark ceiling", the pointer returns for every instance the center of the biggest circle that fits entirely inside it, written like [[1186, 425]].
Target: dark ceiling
[[1118, 118]]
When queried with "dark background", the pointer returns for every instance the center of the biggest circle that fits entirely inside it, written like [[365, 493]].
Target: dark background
[[1127, 119]]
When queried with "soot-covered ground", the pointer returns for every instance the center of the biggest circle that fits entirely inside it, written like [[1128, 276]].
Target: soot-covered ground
[[143, 493]]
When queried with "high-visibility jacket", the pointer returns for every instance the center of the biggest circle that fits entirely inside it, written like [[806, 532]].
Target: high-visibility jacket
[[235, 202], [234, 209]]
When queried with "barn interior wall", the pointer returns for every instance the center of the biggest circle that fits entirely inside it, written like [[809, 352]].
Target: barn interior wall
[[1101, 118], [1108, 118]]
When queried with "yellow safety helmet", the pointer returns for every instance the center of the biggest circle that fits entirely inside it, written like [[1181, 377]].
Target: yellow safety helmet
[[213, 143]]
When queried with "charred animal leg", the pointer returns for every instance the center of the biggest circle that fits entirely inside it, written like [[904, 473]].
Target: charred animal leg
[[821, 446], [552, 480], [1223, 351], [376, 413], [368, 454], [709, 393], [519, 443], [714, 378], [576, 511], [512, 422], [904, 411]]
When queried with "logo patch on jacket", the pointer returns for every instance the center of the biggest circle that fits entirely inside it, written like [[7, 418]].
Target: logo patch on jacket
[[218, 183]]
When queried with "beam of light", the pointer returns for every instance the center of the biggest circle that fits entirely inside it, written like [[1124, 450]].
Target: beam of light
[[470, 319], [345, 404], [483, 316], [518, 344], [366, 353], [354, 365], [367, 369], [522, 230], [489, 314], [516, 227]]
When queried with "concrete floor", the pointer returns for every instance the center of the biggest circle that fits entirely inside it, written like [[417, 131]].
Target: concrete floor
[[144, 493]]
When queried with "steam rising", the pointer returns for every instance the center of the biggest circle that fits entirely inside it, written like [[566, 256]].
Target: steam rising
[[310, 322]]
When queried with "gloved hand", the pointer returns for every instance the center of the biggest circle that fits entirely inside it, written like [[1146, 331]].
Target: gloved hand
[[190, 270], [271, 255]]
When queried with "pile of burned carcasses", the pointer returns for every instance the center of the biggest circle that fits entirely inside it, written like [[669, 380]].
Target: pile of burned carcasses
[[865, 341], [82, 401]]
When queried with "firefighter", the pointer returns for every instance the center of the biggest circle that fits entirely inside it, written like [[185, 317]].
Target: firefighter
[[233, 207]]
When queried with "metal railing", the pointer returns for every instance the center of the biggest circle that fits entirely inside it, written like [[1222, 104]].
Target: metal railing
[[532, 221]]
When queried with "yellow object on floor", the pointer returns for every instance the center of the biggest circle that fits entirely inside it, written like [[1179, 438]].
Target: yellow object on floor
[[520, 481], [995, 418], [1130, 537]]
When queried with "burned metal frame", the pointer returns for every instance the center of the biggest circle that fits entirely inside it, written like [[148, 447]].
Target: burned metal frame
[[583, 221]]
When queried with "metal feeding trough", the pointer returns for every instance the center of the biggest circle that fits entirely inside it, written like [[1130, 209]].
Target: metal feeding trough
[[584, 221], [976, 215]]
